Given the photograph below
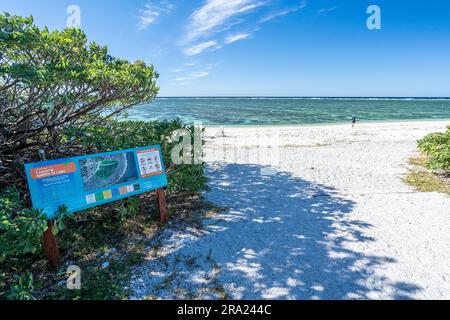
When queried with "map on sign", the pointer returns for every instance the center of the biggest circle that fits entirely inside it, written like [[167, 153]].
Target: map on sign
[[83, 182], [101, 172]]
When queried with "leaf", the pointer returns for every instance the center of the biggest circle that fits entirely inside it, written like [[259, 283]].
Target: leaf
[[55, 229]]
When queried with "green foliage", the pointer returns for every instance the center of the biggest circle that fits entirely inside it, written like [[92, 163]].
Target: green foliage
[[186, 178], [20, 228], [127, 208], [62, 94], [53, 79], [118, 135], [437, 147], [58, 224], [23, 289], [102, 284], [97, 236], [427, 182]]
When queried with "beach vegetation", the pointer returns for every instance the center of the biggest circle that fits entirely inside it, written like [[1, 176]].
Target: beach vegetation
[[21, 227], [424, 181], [436, 146], [68, 97], [117, 135], [23, 289], [430, 170], [51, 80]]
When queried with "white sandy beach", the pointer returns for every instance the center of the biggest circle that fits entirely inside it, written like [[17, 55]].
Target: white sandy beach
[[321, 214]]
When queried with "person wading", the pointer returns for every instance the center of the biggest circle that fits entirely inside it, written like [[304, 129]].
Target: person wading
[[354, 121]]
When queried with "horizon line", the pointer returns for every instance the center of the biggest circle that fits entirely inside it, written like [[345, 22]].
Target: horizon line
[[312, 97]]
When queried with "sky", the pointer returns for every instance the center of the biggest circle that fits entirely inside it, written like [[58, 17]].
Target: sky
[[269, 47]]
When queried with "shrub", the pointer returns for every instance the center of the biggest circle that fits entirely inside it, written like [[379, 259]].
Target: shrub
[[23, 289], [20, 228], [437, 147], [128, 207], [64, 95], [117, 135], [50, 80]]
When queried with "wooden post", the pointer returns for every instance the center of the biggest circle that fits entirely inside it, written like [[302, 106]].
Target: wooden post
[[48, 239], [162, 205], [51, 246]]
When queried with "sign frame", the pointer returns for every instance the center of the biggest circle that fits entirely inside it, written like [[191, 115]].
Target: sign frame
[[160, 182], [72, 166]]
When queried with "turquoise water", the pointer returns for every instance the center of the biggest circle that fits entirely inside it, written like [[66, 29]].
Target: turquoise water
[[277, 111]]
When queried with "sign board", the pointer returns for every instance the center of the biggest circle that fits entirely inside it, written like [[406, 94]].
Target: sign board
[[83, 182]]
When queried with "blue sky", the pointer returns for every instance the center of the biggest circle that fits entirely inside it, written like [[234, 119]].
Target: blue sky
[[270, 47]]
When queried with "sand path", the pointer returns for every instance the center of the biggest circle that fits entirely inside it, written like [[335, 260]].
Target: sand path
[[322, 214]]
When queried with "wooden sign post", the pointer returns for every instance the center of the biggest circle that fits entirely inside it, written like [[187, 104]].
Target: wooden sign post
[[162, 205], [51, 245], [48, 238]]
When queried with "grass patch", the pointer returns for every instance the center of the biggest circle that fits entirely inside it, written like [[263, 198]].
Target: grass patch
[[419, 161], [424, 180]]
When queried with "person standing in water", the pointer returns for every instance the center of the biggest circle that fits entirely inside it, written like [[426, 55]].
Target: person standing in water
[[353, 121]]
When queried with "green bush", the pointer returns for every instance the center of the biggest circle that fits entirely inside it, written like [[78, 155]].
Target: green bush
[[128, 207], [23, 289], [50, 80], [62, 94], [437, 147], [21, 228], [118, 135]]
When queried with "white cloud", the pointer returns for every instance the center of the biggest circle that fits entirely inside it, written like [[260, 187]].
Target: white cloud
[[326, 10], [190, 77], [151, 13], [284, 12], [237, 37], [176, 70], [217, 15], [199, 48]]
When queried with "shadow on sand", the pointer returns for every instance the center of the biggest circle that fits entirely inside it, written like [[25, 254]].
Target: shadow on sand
[[280, 238]]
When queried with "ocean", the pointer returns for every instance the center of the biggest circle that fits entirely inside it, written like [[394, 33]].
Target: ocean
[[291, 111]]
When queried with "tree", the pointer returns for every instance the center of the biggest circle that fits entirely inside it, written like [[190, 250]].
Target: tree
[[51, 80]]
